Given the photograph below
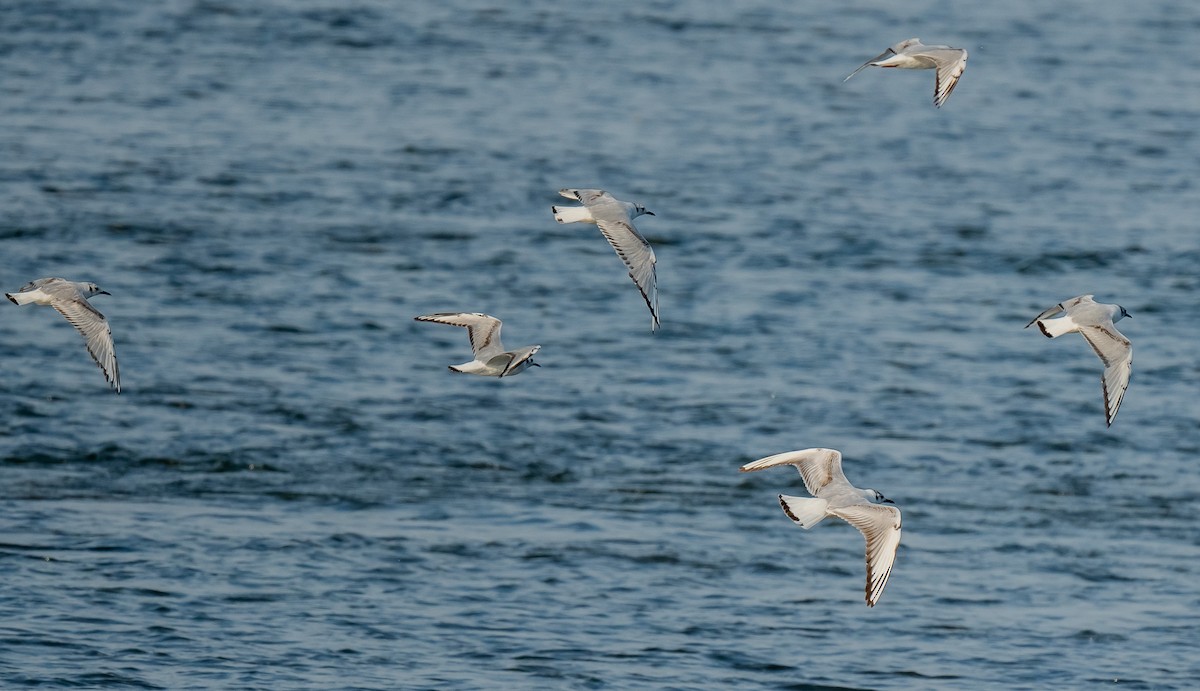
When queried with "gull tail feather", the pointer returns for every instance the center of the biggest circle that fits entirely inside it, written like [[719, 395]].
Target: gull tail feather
[[804, 511], [571, 214], [1053, 328]]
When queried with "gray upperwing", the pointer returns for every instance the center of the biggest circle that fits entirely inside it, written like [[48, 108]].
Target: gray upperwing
[[950, 64], [587, 197], [34, 285], [1064, 306], [1077, 301], [877, 58], [635, 251], [499, 361], [517, 358], [60, 289], [1116, 352], [94, 328], [1110, 345], [482, 329], [1057, 309]]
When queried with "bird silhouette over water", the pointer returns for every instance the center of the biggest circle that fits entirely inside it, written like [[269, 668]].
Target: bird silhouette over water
[[71, 300]]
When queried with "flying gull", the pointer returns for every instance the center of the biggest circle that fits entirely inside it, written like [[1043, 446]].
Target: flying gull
[[914, 55], [71, 301], [491, 359], [614, 218], [864, 509], [1094, 321]]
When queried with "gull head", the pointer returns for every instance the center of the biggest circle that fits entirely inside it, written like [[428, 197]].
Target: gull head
[[639, 210], [93, 289], [1121, 314]]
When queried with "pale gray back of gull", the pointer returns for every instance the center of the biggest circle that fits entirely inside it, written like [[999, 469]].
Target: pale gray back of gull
[[491, 360], [1094, 321], [71, 300], [614, 218], [914, 55], [821, 470]]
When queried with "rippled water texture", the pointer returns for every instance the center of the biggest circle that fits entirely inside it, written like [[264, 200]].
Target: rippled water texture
[[293, 492]]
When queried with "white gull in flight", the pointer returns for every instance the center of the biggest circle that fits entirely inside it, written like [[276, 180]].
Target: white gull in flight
[[71, 301], [491, 360], [614, 218], [1094, 321], [821, 470], [914, 55]]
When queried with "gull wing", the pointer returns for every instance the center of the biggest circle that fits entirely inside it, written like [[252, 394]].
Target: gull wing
[[950, 64], [880, 525], [34, 285], [877, 58], [1077, 301], [482, 329], [518, 357], [818, 467], [638, 255], [613, 220], [587, 197], [94, 328], [1116, 352], [1061, 307]]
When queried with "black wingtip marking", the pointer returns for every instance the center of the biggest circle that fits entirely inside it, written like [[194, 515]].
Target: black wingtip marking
[[786, 510], [11, 299], [1042, 327], [1109, 415]]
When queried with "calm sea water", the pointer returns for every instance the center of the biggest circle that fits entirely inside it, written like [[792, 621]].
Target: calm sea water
[[293, 492]]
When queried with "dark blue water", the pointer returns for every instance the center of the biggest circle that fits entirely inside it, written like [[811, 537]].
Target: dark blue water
[[293, 492]]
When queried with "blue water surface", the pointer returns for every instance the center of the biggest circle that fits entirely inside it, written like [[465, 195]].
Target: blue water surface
[[292, 491]]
